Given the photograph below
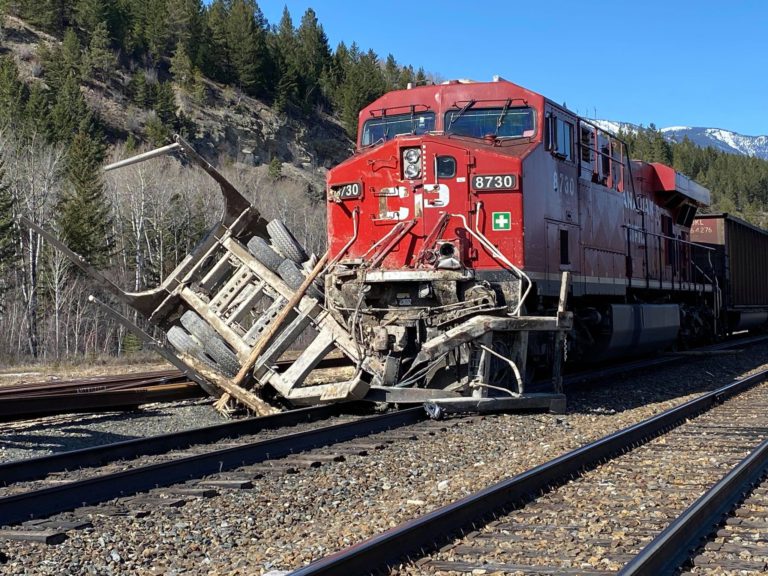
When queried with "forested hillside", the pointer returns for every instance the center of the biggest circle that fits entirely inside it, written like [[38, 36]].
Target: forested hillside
[[84, 82], [88, 81], [739, 184]]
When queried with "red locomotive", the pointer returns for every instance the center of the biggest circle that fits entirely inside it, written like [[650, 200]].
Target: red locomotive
[[471, 199]]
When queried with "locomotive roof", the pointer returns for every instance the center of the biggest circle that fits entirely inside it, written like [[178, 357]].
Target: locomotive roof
[[442, 97]]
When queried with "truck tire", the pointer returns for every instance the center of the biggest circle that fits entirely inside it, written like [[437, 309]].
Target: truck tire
[[213, 345], [187, 344], [294, 277], [285, 243], [263, 252]]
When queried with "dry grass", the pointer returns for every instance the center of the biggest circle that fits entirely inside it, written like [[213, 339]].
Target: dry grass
[[81, 368]]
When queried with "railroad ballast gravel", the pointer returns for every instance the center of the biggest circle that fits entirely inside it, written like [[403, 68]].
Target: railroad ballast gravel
[[66, 432], [286, 521]]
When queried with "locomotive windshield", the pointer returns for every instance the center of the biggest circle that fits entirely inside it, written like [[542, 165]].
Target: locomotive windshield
[[502, 122], [387, 127]]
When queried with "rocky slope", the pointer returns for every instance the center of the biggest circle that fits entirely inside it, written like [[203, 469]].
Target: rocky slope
[[228, 126]]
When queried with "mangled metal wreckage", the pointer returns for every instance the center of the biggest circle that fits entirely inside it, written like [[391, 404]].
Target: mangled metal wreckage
[[248, 294]]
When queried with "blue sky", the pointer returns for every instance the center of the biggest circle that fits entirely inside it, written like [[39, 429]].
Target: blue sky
[[672, 63]]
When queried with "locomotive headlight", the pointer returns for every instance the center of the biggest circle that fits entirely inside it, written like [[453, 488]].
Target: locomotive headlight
[[412, 155], [412, 163]]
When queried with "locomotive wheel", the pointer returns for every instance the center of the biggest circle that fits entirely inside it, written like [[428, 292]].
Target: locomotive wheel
[[212, 343], [263, 252], [294, 277], [184, 342], [285, 243]]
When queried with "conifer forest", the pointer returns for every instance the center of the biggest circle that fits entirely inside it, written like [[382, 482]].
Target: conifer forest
[[87, 82]]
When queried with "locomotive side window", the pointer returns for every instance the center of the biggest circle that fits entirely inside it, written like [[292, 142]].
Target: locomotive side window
[[563, 139], [387, 127], [446, 167], [501, 122], [587, 143]]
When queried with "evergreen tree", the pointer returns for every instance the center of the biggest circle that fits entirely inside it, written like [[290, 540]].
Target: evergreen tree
[[364, 83], [185, 24], [70, 113], [140, 91], [13, 93], [406, 77], [217, 64], [155, 27], [287, 94], [83, 211], [165, 103], [335, 74], [90, 14], [275, 170], [50, 15], [157, 133], [100, 60], [37, 113], [285, 42], [247, 48], [181, 66], [314, 54], [199, 89], [391, 73], [421, 77], [60, 62], [285, 57], [71, 54]]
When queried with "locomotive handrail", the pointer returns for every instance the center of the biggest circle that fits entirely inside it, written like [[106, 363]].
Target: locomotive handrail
[[677, 273], [624, 160], [680, 240], [411, 107], [496, 253]]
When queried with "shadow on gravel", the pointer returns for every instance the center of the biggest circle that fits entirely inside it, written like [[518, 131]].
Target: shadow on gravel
[[65, 433], [688, 375]]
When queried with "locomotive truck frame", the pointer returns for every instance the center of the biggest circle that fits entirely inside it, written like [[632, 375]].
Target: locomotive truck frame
[[479, 234]]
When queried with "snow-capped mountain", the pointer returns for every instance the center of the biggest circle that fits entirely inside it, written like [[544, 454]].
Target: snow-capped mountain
[[717, 138], [724, 140]]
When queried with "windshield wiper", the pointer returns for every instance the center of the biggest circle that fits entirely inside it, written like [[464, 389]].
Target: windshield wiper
[[501, 116], [458, 114]]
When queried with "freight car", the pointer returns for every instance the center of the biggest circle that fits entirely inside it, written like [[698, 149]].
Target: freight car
[[740, 258]]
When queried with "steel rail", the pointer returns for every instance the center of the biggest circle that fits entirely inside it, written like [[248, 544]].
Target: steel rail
[[670, 549], [35, 468], [20, 407], [47, 501], [139, 379], [435, 528], [123, 380]]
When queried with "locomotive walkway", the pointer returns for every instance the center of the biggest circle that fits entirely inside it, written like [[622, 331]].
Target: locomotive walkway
[[630, 486]]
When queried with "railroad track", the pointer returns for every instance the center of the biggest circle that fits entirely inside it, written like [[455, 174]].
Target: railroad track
[[94, 394], [737, 547], [230, 455], [629, 488], [124, 391]]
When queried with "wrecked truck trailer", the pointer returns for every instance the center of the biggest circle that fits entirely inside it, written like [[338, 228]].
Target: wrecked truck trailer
[[248, 292]]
